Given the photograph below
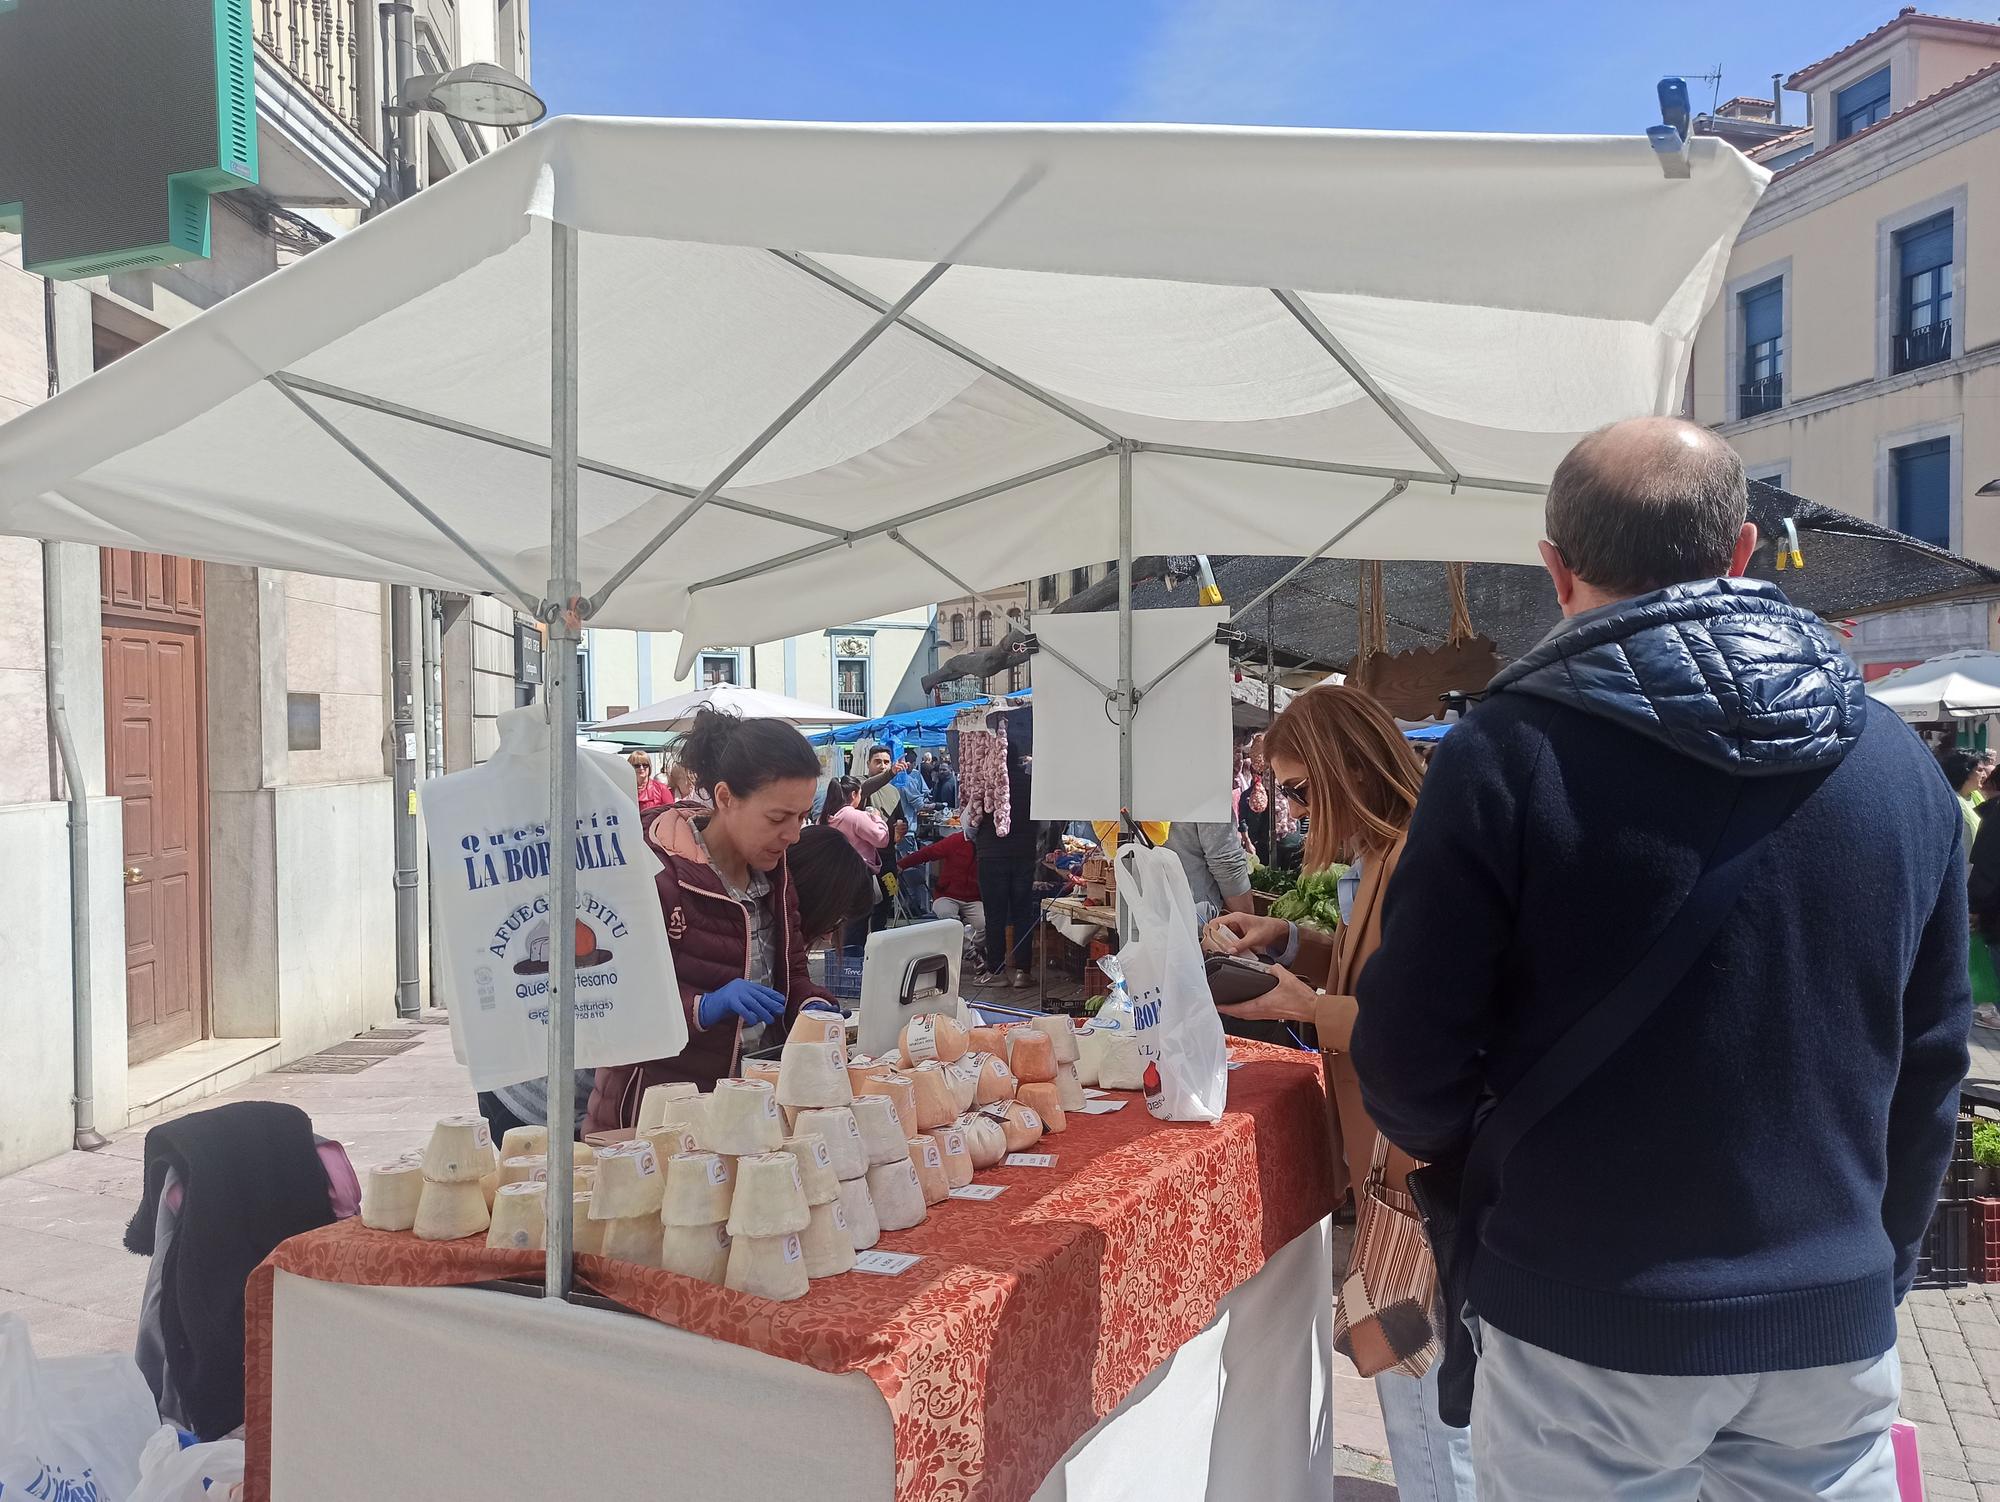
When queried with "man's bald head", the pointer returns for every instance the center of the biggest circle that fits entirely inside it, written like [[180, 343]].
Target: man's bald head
[[1645, 503]]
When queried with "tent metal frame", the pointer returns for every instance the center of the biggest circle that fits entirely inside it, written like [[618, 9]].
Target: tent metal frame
[[563, 608]]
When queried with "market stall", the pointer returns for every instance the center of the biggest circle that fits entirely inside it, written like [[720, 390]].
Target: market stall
[[1394, 393]]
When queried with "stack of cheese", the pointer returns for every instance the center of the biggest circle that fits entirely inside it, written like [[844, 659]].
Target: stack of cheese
[[625, 1199], [452, 1203], [816, 1089]]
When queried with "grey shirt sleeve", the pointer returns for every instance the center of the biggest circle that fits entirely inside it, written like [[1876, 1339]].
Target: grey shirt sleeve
[[1227, 860]]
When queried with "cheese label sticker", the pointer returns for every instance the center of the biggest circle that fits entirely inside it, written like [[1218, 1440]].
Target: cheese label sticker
[[1030, 1119], [1101, 1107], [954, 1143], [839, 1053], [648, 1164], [931, 1158], [791, 1248], [1031, 1160], [979, 1192], [923, 1038], [821, 1156], [886, 1264], [717, 1174], [771, 1104], [853, 1127], [839, 1216], [910, 1169], [482, 1134]]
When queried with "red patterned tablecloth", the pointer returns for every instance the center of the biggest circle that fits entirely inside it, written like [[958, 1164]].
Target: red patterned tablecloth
[[1128, 1241]]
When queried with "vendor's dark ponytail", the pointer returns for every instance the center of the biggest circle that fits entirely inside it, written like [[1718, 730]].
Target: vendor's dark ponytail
[[745, 754]]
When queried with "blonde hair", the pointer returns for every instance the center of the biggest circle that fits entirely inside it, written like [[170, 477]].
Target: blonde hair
[[1362, 777]]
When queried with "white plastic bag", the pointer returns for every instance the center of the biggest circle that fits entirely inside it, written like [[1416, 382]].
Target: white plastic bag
[[1180, 1035], [200, 1473], [71, 1427], [489, 844]]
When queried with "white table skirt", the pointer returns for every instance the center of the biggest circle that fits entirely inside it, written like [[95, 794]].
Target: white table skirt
[[470, 1395]]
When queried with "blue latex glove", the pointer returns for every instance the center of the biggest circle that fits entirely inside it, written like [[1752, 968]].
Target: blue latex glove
[[746, 999]]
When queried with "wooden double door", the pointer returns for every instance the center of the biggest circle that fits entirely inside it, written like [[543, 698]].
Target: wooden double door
[[155, 763]]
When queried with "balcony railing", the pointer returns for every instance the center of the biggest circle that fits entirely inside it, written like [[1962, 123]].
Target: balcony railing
[[1766, 395], [1929, 345], [855, 704], [318, 43]]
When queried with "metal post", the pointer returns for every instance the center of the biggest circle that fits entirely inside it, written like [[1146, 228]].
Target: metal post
[[404, 68], [1125, 705], [403, 752], [1270, 851], [560, 688]]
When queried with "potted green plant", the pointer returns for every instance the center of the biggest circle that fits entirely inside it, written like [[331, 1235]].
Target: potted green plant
[[1986, 1157]]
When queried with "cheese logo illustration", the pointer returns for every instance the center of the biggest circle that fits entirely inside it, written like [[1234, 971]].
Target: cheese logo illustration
[[589, 953]]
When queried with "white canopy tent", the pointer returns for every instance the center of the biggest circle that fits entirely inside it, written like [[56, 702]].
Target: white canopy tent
[[677, 713], [775, 375], [1956, 686]]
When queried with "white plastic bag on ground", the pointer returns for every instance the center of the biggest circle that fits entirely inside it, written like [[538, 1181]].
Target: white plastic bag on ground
[[1180, 1035], [489, 845], [167, 1473], [71, 1427]]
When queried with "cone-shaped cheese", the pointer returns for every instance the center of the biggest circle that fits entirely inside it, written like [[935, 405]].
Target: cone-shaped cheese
[[1045, 1100], [836, 1127], [772, 1267], [1089, 1049], [582, 1155], [991, 1040], [828, 1242], [1120, 1065], [816, 1025], [698, 1189], [770, 1198], [929, 1164], [902, 1094], [898, 1197], [931, 1036], [489, 1185], [957, 1156], [815, 1161], [996, 1081], [1062, 1032], [446, 1212], [695, 1251], [389, 1196], [859, 1067], [520, 1216], [670, 1138], [882, 1135], [522, 1170], [963, 1077], [653, 1104], [633, 1238], [762, 1069], [1069, 1089], [932, 1091], [460, 1152], [1022, 1125], [628, 1183], [1031, 1054], [859, 1212], [742, 1119], [524, 1142], [585, 1234], [814, 1074], [985, 1138]]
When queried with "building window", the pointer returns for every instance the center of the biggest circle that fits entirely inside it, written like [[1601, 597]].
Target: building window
[[1921, 476], [1079, 580], [985, 628], [1860, 105], [1045, 590], [1761, 387], [1923, 293], [717, 669], [958, 627], [1017, 677], [583, 686], [853, 686], [1015, 620]]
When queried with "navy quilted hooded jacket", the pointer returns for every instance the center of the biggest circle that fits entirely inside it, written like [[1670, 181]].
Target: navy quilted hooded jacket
[[1744, 1187]]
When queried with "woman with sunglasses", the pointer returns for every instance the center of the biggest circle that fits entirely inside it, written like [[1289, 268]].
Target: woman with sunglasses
[[653, 793], [1338, 757]]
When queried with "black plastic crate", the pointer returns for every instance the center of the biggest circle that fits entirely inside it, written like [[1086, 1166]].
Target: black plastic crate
[[1946, 1256]]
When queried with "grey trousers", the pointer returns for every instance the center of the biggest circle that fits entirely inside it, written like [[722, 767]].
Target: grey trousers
[[1545, 1428]]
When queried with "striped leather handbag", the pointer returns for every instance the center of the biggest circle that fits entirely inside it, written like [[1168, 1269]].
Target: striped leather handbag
[[1388, 1311]]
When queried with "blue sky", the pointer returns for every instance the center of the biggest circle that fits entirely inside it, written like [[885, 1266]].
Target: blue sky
[[1559, 65]]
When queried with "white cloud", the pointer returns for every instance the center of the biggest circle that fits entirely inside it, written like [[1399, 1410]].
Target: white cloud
[[1239, 62]]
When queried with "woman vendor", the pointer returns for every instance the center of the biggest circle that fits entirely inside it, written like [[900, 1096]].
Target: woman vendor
[[732, 914], [1338, 756]]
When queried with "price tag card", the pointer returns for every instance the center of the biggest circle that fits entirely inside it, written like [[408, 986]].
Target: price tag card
[[1095, 1094], [888, 1264], [1031, 1160], [1102, 1107], [979, 1192], [1237, 1065]]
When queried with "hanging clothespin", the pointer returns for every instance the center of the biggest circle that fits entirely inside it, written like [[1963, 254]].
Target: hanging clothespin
[[1788, 550], [1132, 830]]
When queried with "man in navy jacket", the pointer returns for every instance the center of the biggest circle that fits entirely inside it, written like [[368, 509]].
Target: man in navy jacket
[[1687, 1285]]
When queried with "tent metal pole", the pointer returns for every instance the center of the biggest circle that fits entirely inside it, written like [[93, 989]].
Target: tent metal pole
[[520, 596], [878, 529], [805, 398], [1270, 591], [1125, 694], [564, 628], [478, 434], [1295, 305], [1328, 466], [946, 343]]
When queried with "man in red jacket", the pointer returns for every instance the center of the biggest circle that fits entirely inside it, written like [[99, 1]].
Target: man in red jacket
[[955, 891]]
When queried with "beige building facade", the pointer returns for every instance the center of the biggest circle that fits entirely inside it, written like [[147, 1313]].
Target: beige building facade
[[232, 725], [966, 624], [1854, 357]]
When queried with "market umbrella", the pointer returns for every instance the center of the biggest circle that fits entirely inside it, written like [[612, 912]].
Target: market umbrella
[[677, 714], [1956, 686]]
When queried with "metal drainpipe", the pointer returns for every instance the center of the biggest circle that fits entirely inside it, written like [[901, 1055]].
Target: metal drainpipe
[[87, 1138]]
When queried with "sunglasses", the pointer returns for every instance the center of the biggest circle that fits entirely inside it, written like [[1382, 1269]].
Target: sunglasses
[[1299, 792]]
